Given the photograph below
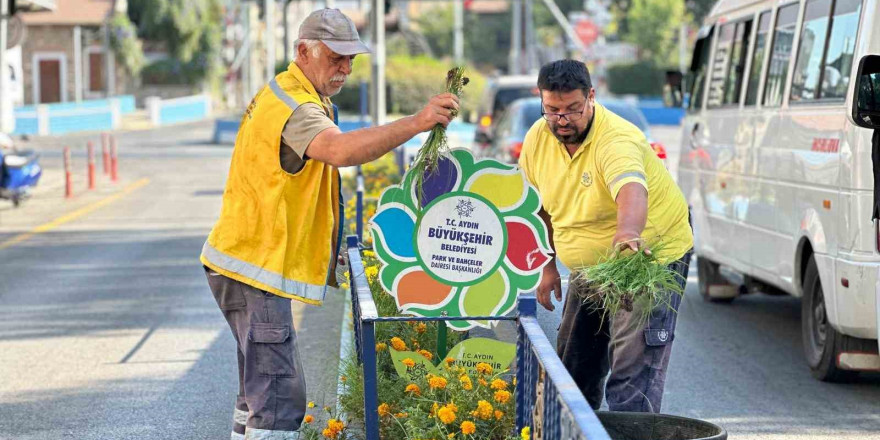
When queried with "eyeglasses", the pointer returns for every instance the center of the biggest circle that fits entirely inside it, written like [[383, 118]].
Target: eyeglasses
[[570, 116]]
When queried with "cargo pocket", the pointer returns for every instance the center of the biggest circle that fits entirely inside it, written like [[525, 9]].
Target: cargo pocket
[[273, 344]]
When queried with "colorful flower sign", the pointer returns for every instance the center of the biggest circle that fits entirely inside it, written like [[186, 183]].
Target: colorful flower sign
[[470, 245]]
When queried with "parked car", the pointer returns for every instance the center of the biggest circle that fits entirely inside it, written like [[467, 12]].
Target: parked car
[[500, 93], [522, 114]]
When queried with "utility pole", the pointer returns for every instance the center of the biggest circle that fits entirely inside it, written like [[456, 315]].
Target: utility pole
[[5, 100], [531, 60], [458, 31], [515, 38], [377, 26], [270, 38]]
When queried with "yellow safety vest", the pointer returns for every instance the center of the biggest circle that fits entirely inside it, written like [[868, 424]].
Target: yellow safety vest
[[278, 232]]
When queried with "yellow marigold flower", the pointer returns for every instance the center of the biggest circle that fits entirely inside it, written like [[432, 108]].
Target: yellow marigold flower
[[381, 346], [468, 427], [370, 254], [421, 327], [371, 272], [384, 409], [466, 383], [328, 409], [502, 396], [398, 344], [514, 384], [452, 406], [309, 419], [413, 388], [484, 410], [526, 433], [483, 382], [401, 415], [446, 415], [451, 435], [311, 404], [499, 414], [499, 384], [484, 368], [427, 354], [437, 383], [327, 433], [335, 425], [408, 362], [434, 409]]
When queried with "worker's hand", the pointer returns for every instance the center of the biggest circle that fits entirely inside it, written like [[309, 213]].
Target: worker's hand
[[550, 281], [438, 111], [624, 242]]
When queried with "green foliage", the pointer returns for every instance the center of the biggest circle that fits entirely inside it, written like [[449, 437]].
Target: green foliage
[[125, 44], [191, 29], [634, 282], [172, 72], [483, 36], [653, 27], [699, 9], [639, 78]]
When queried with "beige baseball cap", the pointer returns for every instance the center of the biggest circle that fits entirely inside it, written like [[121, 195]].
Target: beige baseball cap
[[334, 29]]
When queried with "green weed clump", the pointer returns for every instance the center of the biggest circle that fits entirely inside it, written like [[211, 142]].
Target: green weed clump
[[429, 155], [634, 282]]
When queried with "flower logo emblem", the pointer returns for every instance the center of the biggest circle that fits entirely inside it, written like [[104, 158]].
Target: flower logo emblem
[[468, 247]]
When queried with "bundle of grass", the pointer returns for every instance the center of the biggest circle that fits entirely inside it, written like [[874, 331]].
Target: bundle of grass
[[429, 155], [633, 281]]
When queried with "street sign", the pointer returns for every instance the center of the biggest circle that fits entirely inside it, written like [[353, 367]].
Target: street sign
[[466, 246], [16, 32], [587, 31]]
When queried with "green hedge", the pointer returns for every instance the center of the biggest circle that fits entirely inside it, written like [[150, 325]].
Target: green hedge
[[640, 78]]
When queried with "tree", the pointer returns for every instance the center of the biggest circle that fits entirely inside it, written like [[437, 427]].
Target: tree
[[653, 27], [699, 9], [191, 29], [484, 35]]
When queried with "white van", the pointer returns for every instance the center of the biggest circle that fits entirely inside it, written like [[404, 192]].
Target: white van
[[776, 164]]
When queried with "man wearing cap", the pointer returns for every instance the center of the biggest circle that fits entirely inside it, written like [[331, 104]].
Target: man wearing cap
[[280, 226], [604, 189]]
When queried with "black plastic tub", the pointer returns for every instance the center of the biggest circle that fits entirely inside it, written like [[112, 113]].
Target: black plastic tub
[[647, 426]]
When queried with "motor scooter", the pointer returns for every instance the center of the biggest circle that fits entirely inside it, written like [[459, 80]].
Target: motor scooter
[[19, 171]]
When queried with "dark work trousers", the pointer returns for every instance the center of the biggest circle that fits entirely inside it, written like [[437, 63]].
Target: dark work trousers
[[637, 354], [271, 401]]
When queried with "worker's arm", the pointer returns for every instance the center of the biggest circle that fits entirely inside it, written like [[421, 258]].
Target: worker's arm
[[632, 215], [550, 278], [357, 147]]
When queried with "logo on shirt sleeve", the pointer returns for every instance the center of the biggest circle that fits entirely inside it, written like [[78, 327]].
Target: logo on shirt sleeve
[[586, 180]]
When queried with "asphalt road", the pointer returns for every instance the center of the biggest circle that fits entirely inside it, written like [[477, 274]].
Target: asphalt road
[[109, 330]]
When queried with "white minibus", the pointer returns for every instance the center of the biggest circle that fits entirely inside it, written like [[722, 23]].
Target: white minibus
[[776, 164]]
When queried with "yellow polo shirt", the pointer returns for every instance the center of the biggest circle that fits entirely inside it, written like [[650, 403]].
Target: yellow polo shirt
[[579, 191]]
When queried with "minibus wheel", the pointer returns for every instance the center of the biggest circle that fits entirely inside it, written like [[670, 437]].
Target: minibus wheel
[[821, 341], [710, 278]]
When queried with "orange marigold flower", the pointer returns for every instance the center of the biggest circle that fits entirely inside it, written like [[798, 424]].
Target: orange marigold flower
[[408, 362], [328, 433], [413, 388], [466, 382], [381, 346], [484, 410], [401, 415], [309, 419], [343, 379], [484, 368], [421, 327], [483, 382], [499, 414], [468, 427], [452, 406], [446, 415], [384, 409], [335, 425], [426, 354], [398, 344], [437, 383], [449, 361], [499, 384], [502, 396]]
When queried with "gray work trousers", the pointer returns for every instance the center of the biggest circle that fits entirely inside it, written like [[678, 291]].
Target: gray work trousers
[[637, 354], [271, 401]]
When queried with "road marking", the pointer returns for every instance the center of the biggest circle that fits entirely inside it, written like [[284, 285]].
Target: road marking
[[74, 215]]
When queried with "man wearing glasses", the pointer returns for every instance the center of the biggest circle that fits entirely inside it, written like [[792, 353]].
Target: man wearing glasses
[[604, 190]]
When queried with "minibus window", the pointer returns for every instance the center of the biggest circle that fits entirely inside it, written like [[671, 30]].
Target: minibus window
[[758, 58], [805, 82], [841, 46], [780, 53], [733, 82], [697, 74], [721, 64]]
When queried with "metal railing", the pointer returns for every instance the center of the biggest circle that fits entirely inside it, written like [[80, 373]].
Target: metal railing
[[547, 399]]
